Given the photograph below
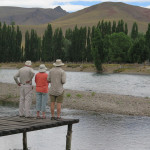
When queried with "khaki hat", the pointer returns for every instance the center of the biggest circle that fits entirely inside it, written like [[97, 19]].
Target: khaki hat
[[42, 68], [58, 63], [28, 63]]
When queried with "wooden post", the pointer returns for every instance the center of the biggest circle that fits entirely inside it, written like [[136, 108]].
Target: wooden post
[[25, 141], [68, 137]]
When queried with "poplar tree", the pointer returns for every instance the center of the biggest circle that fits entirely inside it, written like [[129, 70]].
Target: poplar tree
[[12, 44], [134, 32], [1, 52], [126, 29], [67, 45], [75, 45], [120, 26], [97, 49], [139, 51], [82, 44], [58, 41], [119, 46], [4, 43], [27, 46], [18, 40], [114, 27], [47, 52], [88, 48], [35, 46], [147, 38]]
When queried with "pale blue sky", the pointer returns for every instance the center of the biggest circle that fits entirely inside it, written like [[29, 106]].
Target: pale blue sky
[[68, 5]]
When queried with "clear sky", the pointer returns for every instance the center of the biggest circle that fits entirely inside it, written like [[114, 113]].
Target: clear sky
[[68, 5]]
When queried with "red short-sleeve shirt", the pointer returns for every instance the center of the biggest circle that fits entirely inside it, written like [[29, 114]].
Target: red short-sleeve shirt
[[41, 82]]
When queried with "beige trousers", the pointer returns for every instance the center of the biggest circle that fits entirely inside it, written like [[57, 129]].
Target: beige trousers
[[25, 100]]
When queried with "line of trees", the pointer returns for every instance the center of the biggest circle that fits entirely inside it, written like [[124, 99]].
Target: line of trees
[[10, 44], [105, 43]]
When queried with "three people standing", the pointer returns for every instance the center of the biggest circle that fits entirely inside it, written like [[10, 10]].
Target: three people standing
[[56, 78]]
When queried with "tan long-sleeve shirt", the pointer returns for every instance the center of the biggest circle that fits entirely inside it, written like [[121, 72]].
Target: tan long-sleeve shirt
[[56, 77], [25, 75]]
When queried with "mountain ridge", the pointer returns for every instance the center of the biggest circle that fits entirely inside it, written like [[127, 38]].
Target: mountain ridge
[[30, 16], [108, 11]]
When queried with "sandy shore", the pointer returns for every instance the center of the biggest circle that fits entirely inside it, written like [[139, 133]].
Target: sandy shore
[[99, 102]]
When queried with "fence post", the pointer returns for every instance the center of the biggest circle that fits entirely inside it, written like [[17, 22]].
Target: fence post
[[25, 141], [69, 137]]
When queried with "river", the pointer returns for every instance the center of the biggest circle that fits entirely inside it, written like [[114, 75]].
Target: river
[[123, 84], [95, 131]]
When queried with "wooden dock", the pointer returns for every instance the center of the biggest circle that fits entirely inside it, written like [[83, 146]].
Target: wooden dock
[[14, 125]]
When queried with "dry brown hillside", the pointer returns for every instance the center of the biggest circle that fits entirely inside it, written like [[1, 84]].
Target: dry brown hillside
[[104, 11]]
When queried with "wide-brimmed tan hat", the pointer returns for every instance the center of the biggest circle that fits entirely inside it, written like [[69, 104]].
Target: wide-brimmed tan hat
[[42, 68], [28, 63], [58, 63]]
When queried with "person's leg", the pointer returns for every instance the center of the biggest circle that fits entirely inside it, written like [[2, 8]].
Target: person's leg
[[44, 102], [59, 100], [52, 108], [28, 100], [21, 102], [52, 98], [38, 114], [38, 103], [58, 110]]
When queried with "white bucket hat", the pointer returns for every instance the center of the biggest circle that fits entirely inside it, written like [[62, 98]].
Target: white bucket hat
[[28, 63], [42, 68], [58, 63]]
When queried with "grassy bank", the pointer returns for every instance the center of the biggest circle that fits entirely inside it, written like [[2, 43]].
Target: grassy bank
[[89, 67]]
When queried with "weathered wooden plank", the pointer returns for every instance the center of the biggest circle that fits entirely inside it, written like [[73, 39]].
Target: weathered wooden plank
[[15, 124]]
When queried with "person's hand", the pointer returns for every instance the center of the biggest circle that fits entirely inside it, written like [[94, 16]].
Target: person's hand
[[27, 81]]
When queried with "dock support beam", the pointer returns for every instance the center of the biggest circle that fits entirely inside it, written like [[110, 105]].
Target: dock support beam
[[25, 141], [69, 137]]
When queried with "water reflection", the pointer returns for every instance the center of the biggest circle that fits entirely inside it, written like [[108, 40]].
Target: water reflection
[[94, 132], [9, 103]]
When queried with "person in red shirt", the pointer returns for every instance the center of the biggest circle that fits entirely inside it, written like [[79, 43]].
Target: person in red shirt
[[41, 91]]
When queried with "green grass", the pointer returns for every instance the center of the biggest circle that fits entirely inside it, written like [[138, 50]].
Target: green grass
[[73, 65], [68, 95], [9, 103], [79, 95], [119, 70], [93, 94], [11, 96]]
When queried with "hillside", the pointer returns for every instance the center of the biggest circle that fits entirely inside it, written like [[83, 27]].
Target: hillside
[[92, 15], [106, 11], [30, 16]]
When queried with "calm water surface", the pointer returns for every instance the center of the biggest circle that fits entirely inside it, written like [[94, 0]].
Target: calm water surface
[[124, 84], [94, 132]]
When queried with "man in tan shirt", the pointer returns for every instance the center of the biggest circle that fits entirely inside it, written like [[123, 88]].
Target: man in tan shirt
[[25, 75], [56, 77]]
